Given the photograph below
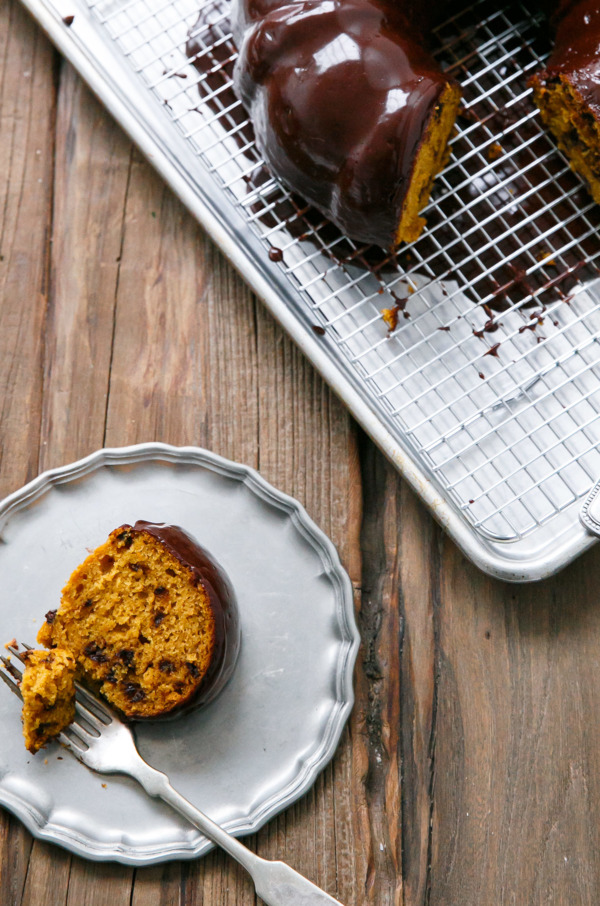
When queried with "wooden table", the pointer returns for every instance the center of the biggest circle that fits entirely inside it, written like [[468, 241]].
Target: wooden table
[[470, 770]]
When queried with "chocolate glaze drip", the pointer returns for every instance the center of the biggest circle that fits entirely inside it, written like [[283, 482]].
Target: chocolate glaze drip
[[222, 603], [340, 93]]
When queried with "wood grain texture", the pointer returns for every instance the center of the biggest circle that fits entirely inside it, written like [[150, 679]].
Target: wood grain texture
[[516, 765], [47, 875], [27, 102], [91, 176], [490, 770], [97, 884]]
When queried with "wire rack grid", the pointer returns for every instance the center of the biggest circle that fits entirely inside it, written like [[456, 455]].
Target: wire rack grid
[[486, 366]]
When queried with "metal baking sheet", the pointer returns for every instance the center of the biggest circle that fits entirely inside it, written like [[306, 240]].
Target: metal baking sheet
[[487, 393], [259, 746]]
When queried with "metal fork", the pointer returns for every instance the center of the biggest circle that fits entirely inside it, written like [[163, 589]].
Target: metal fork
[[102, 742]]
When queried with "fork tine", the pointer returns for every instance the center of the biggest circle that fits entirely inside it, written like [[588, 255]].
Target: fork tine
[[90, 717], [10, 668], [83, 736], [88, 706], [10, 682], [73, 742], [96, 720], [13, 649], [97, 707]]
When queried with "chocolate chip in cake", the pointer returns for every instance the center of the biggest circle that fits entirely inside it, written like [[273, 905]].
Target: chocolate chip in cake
[[134, 692], [110, 677], [95, 653], [50, 616], [193, 668], [170, 572], [126, 655], [142, 638], [160, 590], [126, 538], [166, 667], [88, 602], [136, 567], [158, 618]]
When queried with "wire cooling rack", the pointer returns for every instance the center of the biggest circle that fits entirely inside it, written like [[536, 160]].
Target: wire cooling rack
[[482, 383]]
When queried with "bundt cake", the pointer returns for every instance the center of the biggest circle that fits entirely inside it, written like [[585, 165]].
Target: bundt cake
[[48, 691], [150, 620], [349, 108], [352, 112]]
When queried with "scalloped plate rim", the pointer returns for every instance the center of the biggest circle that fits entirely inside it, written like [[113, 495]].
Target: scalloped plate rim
[[42, 827]]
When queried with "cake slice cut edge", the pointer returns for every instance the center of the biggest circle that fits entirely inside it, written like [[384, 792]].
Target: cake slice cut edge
[[431, 158], [566, 114]]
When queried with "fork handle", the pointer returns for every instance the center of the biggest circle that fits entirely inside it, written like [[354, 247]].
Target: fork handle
[[157, 784], [275, 882]]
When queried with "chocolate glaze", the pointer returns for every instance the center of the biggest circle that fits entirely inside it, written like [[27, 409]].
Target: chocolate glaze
[[222, 602], [340, 93], [575, 54]]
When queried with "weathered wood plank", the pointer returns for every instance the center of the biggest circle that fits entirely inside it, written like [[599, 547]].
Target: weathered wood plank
[[90, 188], [99, 884], [396, 684], [156, 390], [159, 885], [27, 100], [376, 720], [229, 363], [47, 876], [418, 594], [15, 851], [516, 806]]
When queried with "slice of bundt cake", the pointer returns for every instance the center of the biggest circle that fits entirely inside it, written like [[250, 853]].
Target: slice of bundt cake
[[48, 690], [150, 620]]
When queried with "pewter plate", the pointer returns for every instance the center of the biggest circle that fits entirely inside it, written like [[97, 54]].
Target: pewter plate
[[260, 745]]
